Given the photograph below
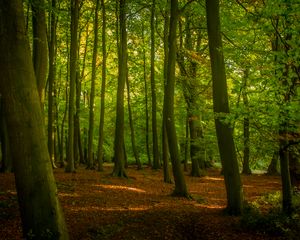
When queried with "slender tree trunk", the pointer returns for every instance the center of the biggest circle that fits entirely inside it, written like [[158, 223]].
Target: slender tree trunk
[[246, 162], [156, 164], [40, 47], [102, 107], [165, 146], [220, 101], [186, 144], [73, 65], [119, 154], [40, 209], [180, 185], [92, 94], [134, 149], [146, 100], [51, 77]]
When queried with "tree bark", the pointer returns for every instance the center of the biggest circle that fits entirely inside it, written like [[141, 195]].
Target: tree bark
[[165, 146], [40, 45], [51, 77], [73, 66], [246, 162], [156, 164], [41, 213], [92, 94], [221, 107], [180, 185], [103, 85], [119, 154]]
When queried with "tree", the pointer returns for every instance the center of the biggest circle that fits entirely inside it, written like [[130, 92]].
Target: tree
[[41, 214], [40, 48], [119, 154], [180, 185], [102, 107], [51, 77], [165, 147], [73, 65], [156, 164], [92, 94], [221, 108], [246, 164]]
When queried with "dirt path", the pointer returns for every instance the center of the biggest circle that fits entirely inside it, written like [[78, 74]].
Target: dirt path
[[98, 206]]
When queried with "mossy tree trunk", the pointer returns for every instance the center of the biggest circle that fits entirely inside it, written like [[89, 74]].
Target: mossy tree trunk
[[146, 100], [165, 147], [100, 151], [90, 160], [73, 67], [246, 158], [6, 162], [156, 162], [40, 45], [119, 154], [221, 107], [41, 213], [180, 185], [51, 78]]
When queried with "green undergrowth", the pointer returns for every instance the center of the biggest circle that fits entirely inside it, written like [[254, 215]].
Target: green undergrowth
[[265, 216]]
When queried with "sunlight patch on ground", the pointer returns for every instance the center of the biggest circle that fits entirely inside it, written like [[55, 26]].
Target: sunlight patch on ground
[[109, 209], [68, 194], [209, 206], [214, 178], [121, 188]]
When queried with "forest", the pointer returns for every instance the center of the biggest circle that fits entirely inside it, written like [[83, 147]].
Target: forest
[[159, 119]]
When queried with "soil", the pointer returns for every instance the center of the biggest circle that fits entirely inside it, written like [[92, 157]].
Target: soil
[[99, 206]]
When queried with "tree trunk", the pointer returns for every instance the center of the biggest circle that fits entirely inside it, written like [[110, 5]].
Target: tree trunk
[[221, 108], [180, 185], [40, 47], [156, 164], [73, 65], [146, 101], [165, 147], [119, 154], [246, 162], [134, 149], [90, 161], [40, 209], [51, 77], [102, 107], [6, 162]]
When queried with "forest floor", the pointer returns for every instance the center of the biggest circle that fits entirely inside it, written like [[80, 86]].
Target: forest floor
[[99, 206]]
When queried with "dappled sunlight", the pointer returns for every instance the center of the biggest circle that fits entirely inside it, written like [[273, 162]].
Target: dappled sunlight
[[109, 209], [214, 179], [211, 206], [117, 187], [68, 195]]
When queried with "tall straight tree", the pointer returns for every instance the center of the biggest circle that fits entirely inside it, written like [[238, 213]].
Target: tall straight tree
[[39, 47], [146, 99], [165, 147], [153, 92], [119, 154], [51, 76], [73, 65], [41, 213], [180, 185], [102, 107], [221, 107], [90, 159]]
